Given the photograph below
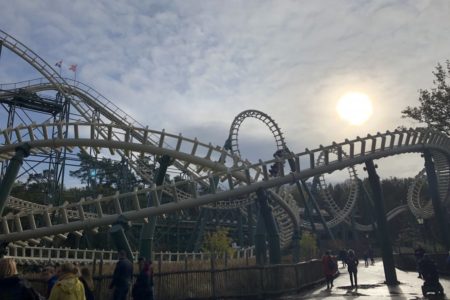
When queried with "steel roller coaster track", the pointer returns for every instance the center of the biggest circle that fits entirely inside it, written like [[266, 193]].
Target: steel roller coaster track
[[119, 133]]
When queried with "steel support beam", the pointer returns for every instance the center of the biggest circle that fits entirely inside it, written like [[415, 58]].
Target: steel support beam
[[119, 237], [273, 237], [240, 228], [439, 211], [251, 228], [317, 208], [383, 232], [201, 230], [11, 172], [148, 229], [260, 241], [307, 209], [296, 237]]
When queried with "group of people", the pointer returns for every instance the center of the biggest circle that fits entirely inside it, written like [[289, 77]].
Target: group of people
[[123, 277], [64, 283], [330, 267], [68, 282]]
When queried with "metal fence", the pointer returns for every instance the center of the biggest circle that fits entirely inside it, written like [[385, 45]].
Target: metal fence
[[218, 283]]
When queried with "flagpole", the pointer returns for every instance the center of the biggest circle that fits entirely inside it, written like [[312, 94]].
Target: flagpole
[[73, 68]]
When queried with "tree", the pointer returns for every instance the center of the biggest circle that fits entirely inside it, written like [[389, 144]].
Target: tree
[[308, 245], [104, 173], [434, 109], [218, 242]]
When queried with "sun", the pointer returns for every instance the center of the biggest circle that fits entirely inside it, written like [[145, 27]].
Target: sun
[[355, 108]]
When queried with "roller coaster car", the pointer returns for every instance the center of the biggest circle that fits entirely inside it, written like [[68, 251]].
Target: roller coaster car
[[432, 287]]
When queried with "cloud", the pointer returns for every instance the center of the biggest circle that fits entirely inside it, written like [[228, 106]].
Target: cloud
[[191, 66]]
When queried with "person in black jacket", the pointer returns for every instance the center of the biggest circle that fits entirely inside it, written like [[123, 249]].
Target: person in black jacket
[[13, 287], [143, 288], [352, 268], [88, 283], [122, 277]]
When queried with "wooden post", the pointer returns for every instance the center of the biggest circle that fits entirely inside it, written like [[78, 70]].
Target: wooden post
[[297, 284], [100, 273], [100, 267], [160, 263], [226, 259], [94, 265], [213, 277], [261, 281]]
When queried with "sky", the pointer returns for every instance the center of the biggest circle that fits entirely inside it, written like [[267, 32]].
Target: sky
[[191, 66]]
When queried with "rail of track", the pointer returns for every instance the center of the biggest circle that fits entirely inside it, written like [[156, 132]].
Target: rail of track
[[359, 150]]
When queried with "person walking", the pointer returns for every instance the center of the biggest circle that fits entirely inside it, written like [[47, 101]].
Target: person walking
[[329, 268], [122, 277], [419, 253], [143, 288], [88, 283], [68, 286], [343, 257], [366, 259], [372, 260], [51, 277], [352, 267], [12, 286]]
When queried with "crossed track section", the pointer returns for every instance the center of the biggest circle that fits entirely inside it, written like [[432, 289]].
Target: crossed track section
[[237, 180]]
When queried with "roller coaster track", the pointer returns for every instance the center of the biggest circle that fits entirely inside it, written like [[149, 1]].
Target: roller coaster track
[[359, 150], [284, 208], [83, 94], [116, 131], [88, 102], [423, 208], [233, 137], [27, 206], [92, 102], [339, 215]]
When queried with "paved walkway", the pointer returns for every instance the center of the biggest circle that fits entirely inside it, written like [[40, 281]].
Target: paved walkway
[[371, 286]]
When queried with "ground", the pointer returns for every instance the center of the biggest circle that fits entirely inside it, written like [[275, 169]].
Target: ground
[[371, 286]]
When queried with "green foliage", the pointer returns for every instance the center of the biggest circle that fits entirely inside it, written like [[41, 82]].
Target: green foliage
[[308, 246], [218, 242], [109, 174], [434, 109]]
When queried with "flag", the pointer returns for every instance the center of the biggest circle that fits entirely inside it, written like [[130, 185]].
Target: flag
[[59, 64], [73, 68]]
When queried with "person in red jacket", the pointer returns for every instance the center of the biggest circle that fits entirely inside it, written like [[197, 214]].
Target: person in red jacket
[[329, 268]]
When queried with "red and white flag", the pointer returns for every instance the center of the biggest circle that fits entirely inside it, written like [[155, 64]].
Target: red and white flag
[[59, 63], [73, 68]]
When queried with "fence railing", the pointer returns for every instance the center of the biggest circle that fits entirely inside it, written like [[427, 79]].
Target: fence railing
[[202, 256], [252, 281], [40, 255], [217, 283]]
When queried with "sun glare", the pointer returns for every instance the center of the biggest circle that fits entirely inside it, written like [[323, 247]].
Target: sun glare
[[355, 108]]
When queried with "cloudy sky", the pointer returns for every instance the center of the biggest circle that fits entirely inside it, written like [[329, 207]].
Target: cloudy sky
[[191, 66]]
